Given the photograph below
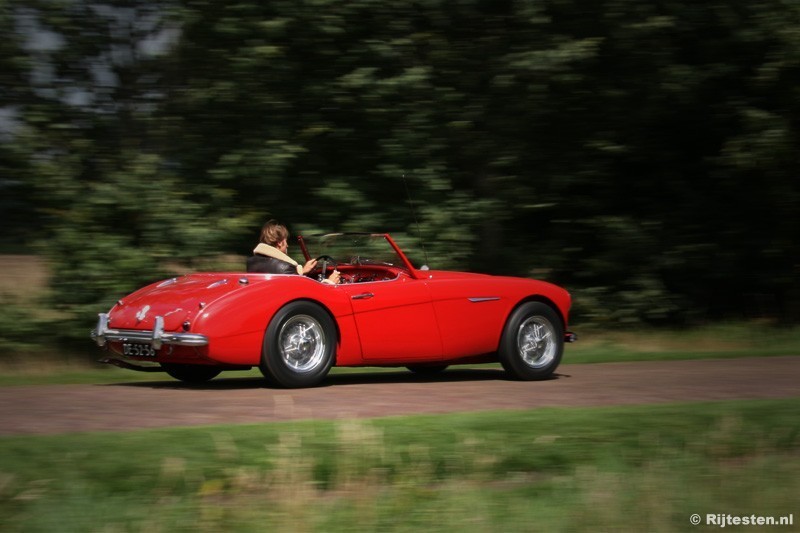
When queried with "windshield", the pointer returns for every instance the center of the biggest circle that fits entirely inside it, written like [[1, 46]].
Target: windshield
[[354, 249]]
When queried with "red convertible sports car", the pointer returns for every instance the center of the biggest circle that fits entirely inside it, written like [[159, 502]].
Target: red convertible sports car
[[384, 312]]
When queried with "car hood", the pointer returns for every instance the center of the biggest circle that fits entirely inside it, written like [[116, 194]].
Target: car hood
[[177, 300]]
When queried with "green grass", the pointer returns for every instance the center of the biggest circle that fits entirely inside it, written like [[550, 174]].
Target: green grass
[[723, 340], [602, 469]]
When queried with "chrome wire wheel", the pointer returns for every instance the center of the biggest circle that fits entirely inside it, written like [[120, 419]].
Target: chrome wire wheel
[[536, 342], [532, 342], [301, 342], [299, 345]]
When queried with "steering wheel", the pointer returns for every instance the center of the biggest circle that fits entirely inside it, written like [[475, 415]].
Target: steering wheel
[[324, 269]]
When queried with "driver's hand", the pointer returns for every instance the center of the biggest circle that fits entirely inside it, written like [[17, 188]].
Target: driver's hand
[[309, 266], [335, 278]]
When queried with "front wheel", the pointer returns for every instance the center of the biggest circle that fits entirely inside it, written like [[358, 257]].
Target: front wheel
[[532, 342], [191, 373], [299, 346]]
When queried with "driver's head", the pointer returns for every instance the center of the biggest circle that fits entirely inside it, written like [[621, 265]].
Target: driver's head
[[275, 234]]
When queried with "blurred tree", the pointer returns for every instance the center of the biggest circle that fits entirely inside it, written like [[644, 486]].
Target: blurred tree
[[668, 106], [116, 212], [643, 154], [17, 207]]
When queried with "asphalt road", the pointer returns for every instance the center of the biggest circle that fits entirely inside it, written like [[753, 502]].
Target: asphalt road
[[53, 409]]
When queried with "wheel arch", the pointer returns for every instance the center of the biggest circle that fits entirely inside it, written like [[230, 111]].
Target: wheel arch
[[529, 299], [323, 307], [541, 299], [275, 365]]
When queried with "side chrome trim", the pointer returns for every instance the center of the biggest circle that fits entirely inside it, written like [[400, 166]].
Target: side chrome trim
[[484, 299], [155, 338]]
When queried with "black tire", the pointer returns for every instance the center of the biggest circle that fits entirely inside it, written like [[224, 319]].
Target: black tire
[[191, 373], [299, 346], [427, 370], [532, 342]]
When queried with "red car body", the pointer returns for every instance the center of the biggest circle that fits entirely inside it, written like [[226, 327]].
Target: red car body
[[383, 313]]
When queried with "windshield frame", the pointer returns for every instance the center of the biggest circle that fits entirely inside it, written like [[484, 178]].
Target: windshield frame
[[405, 263]]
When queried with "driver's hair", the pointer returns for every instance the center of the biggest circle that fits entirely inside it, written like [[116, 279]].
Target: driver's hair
[[273, 232]]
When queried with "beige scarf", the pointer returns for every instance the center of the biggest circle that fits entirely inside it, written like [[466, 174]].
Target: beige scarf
[[271, 251]]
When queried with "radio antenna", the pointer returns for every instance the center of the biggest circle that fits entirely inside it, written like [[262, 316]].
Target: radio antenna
[[416, 220]]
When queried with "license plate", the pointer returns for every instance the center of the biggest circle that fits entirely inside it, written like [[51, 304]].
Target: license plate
[[138, 350]]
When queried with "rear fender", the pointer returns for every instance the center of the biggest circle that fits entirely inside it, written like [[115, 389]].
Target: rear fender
[[235, 326], [348, 347]]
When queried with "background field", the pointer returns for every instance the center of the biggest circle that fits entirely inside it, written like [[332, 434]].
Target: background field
[[644, 468]]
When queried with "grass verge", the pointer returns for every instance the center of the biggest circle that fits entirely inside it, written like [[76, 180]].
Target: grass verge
[[611, 469], [715, 341], [594, 346]]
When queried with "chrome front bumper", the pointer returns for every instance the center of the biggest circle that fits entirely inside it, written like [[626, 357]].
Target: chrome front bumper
[[156, 337]]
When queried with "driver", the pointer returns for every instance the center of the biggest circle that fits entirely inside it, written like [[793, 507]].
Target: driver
[[270, 255]]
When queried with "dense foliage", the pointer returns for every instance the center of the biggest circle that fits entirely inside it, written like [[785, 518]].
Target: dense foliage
[[641, 153]]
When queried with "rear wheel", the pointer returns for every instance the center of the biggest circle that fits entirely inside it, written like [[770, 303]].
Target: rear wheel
[[191, 373], [532, 343], [299, 346]]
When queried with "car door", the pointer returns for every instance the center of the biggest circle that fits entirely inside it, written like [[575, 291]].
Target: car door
[[471, 312], [395, 320]]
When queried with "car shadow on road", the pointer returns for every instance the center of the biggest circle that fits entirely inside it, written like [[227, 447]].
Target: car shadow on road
[[336, 379]]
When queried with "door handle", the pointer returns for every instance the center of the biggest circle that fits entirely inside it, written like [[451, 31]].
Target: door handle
[[363, 296]]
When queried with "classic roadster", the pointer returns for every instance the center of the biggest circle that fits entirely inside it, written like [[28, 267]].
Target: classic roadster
[[384, 312]]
